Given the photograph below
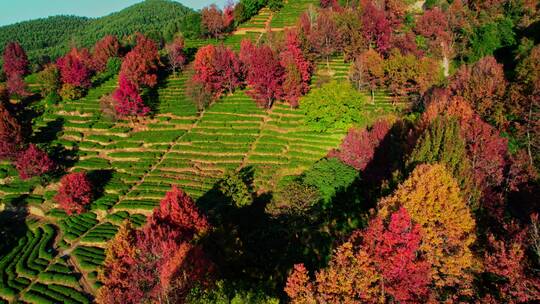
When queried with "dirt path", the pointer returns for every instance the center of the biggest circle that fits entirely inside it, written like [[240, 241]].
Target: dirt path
[[83, 281]]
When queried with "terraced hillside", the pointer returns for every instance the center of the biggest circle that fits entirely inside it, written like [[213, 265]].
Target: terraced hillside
[[290, 12]]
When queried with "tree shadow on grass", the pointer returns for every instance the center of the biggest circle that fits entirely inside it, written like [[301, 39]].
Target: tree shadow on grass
[[253, 248], [151, 95], [99, 179], [49, 132], [64, 158], [12, 223]]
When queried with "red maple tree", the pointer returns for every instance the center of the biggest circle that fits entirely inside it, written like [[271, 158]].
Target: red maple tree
[[11, 139], [483, 85], [264, 73], [433, 25], [176, 54], [215, 21], [395, 251], [33, 162], [323, 36], [106, 48], [358, 148], [75, 68], [297, 69], [75, 193], [376, 28], [380, 264], [128, 100], [218, 69], [15, 60], [507, 259], [16, 85], [15, 67], [140, 65]]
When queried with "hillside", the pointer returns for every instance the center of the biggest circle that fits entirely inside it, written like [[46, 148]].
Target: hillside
[[51, 37], [47, 36], [311, 153]]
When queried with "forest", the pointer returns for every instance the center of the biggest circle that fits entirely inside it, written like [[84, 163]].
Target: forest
[[273, 151]]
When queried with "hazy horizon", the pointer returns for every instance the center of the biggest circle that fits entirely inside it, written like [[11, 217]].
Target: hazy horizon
[[23, 10]]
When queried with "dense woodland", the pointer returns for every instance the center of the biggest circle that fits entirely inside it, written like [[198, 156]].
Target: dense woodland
[[371, 151]]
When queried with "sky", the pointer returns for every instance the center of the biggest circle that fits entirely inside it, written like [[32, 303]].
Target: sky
[[12, 11]]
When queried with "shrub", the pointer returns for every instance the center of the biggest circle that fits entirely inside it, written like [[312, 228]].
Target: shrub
[[71, 92], [107, 107], [113, 66]]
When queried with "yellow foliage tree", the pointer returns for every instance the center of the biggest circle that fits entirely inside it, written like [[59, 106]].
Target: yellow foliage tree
[[432, 198], [119, 260]]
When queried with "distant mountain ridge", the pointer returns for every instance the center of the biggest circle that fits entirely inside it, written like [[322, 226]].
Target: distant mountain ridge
[[52, 36]]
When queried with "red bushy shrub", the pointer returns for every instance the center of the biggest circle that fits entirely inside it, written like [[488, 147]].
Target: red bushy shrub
[[75, 193], [33, 162]]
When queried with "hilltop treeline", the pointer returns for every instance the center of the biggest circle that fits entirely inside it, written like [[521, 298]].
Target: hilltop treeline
[[49, 38]]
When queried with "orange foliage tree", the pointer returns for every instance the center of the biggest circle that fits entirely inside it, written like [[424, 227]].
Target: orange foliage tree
[[432, 198]]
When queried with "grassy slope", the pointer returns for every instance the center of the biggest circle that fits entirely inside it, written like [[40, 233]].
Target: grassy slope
[[139, 162]]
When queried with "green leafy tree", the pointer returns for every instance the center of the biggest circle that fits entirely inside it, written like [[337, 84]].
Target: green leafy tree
[[487, 38], [275, 5], [224, 293], [295, 197], [329, 176], [334, 105], [442, 143], [235, 186]]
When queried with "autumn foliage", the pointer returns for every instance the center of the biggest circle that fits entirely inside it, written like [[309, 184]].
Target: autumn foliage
[[215, 21], [264, 73], [486, 149], [380, 264], [297, 69], [138, 69], [15, 60], [128, 101], [176, 54], [11, 139], [104, 49], [218, 69], [140, 64], [160, 262], [483, 85], [433, 25], [75, 68], [433, 199], [15, 67], [75, 193], [33, 162], [506, 258], [358, 148], [376, 28]]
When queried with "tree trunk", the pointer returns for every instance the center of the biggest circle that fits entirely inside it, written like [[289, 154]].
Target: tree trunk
[[328, 64], [529, 150], [372, 96]]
